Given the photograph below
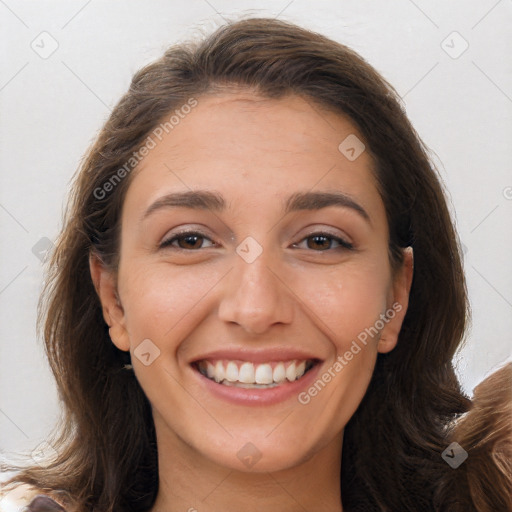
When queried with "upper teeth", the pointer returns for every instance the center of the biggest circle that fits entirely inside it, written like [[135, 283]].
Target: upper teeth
[[249, 373]]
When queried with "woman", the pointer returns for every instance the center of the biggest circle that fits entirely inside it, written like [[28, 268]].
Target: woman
[[257, 296]]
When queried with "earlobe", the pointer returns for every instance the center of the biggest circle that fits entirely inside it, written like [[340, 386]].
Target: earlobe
[[396, 313], [119, 337], [113, 313]]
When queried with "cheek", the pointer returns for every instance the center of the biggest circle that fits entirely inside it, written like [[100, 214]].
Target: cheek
[[159, 299], [347, 301]]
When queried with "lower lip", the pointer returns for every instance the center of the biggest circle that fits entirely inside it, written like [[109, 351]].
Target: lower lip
[[255, 396]]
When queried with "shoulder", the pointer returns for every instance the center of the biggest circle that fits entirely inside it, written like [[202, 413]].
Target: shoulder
[[24, 498]]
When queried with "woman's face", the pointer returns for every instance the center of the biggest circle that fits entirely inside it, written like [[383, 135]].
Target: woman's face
[[254, 248]]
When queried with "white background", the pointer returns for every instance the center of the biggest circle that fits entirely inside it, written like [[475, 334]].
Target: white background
[[51, 109]]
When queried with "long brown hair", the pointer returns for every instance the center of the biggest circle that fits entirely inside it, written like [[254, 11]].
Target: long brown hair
[[484, 481], [392, 445]]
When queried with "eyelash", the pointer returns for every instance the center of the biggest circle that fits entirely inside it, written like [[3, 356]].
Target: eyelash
[[168, 243]]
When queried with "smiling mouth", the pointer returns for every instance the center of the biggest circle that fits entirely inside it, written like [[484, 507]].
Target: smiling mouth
[[244, 374]]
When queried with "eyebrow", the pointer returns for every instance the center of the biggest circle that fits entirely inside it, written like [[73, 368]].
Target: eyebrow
[[207, 200]]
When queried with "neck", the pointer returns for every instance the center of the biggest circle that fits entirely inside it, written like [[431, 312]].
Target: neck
[[189, 482]]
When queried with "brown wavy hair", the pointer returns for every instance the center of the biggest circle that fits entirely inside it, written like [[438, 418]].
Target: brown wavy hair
[[484, 481], [392, 445]]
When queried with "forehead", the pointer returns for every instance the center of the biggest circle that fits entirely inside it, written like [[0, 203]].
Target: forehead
[[234, 125], [267, 147]]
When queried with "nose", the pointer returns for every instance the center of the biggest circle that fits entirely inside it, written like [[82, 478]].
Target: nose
[[256, 297]]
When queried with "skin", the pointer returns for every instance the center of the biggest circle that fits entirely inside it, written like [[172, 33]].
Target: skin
[[256, 152]]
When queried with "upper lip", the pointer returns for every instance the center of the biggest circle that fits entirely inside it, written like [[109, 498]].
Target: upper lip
[[267, 355]]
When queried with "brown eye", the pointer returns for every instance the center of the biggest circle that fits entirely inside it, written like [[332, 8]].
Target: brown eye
[[186, 241], [319, 242], [323, 242], [190, 241]]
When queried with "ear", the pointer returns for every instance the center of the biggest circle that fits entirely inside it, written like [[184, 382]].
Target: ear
[[105, 284], [397, 307]]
